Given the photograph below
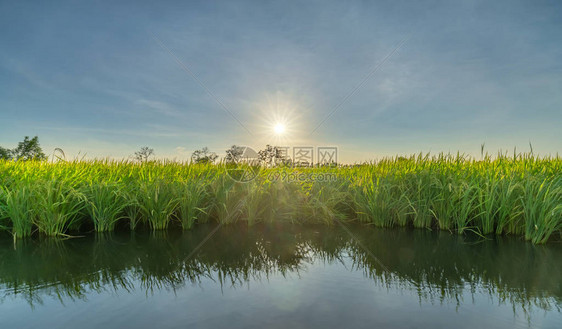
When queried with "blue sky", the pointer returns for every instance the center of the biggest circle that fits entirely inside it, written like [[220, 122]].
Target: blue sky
[[92, 78]]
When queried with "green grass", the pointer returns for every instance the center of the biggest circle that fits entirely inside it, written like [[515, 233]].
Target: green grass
[[16, 209], [518, 195], [105, 204], [158, 203], [191, 198], [57, 206]]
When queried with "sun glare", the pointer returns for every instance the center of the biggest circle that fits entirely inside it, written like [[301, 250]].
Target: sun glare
[[279, 119], [279, 129]]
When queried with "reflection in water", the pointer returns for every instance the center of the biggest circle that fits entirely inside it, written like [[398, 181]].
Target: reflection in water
[[439, 267]]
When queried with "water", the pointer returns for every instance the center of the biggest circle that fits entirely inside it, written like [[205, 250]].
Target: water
[[280, 276]]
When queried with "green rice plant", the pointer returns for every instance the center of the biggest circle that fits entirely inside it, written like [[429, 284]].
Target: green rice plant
[[324, 203], [228, 204], [465, 198], [542, 207], [255, 195], [16, 207], [57, 207], [158, 203], [133, 210], [488, 204], [443, 204], [420, 194], [401, 207], [105, 203], [509, 213], [506, 194], [374, 203], [284, 201], [192, 196], [328, 196]]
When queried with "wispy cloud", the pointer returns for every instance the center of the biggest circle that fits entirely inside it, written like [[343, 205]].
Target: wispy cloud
[[160, 107]]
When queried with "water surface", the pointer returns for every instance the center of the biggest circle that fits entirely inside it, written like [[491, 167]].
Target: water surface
[[280, 276]]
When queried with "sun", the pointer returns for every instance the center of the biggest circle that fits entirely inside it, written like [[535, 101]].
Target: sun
[[279, 120], [279, 129]]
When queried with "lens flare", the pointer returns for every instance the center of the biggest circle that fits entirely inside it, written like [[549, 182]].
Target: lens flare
[[279, 129]]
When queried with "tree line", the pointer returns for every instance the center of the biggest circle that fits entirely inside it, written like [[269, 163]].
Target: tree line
[[30, 149], [270, 155]]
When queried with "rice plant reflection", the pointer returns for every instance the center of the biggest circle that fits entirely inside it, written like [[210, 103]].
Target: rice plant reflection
[[439, 267]]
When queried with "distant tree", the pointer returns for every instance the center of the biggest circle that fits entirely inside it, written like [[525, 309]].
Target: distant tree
[[204, 155], [234, 153], [5, 154], [271, 155], [144, 154], [28, 149]]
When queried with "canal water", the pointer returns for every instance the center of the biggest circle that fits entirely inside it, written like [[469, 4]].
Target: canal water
[[280, 276]]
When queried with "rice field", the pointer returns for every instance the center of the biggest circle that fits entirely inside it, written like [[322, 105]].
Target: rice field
[[516, 195]]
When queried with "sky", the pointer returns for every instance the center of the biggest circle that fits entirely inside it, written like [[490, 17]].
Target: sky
[[372, 78]]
